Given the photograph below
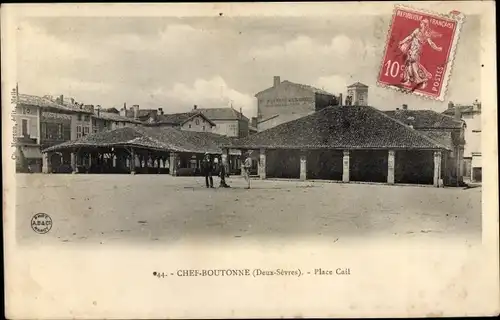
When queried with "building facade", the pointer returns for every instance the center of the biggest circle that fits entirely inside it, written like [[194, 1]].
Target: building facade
[[228, 121], [444, 129], [286, 101], [471, 115], [357, 94]]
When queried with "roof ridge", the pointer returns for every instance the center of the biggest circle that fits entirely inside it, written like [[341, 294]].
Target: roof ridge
[[408, 128]]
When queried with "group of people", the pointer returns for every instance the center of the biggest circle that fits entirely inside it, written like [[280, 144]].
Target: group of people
[[209, 169]]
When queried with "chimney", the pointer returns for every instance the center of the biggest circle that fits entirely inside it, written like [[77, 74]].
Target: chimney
[[450, 105], [72, 100], [61, 99], [136, 110], [195, 107], [340, 99], [476, 105], [160, 111], [277, 81], [241, 113], [405, 107]]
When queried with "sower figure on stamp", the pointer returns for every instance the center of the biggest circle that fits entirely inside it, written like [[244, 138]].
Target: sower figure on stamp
[[247, 164], [207, 167], [411, 46]]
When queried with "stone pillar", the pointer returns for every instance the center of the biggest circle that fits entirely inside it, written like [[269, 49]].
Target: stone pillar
[[345, 162], [391, 164], [262, 163], [303, 165], [46, 167], [460, 166], [173, 163], [132, 161], [437, 168], [73, 162]]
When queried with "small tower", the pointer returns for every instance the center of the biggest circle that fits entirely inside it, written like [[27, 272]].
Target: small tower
[[357, 93]]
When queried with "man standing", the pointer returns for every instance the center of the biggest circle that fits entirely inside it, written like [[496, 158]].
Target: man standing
[[247, 164], [222, 173], [207, 170]]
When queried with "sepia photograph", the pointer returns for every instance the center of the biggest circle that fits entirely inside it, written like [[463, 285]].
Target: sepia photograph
[[176, 128]]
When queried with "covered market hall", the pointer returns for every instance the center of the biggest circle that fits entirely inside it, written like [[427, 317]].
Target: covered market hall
[[137, 150], [348, 143]]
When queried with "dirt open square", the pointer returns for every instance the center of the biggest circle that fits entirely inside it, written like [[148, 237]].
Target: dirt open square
[[141, 209]]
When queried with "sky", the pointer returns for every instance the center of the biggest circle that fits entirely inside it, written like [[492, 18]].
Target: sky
[[175, 63]]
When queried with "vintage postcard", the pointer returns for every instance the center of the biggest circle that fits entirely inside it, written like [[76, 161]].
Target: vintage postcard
[[250, 160]]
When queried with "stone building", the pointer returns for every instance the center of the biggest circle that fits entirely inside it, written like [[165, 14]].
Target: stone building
[[357, 94], [471, 114], [42, 122], [186, 121], [228, 121], [349, 143], [448, 130], [286, 101]]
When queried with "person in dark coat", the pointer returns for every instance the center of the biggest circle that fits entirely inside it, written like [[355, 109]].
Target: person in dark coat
[[222, 173], [207, 167]]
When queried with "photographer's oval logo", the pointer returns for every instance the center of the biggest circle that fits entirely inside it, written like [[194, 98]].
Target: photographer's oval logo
[[41, 223]]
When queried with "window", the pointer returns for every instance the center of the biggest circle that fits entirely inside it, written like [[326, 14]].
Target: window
[[116, 123], [78, 132], [86, 131], [197, 121], [79, 117], [25, 132], [203, 128], [59, 131], [87, 118], [189, 126]]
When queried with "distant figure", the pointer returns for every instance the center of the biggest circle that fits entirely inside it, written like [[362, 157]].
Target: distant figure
[[222, 173], [247, 164], [207, 170]]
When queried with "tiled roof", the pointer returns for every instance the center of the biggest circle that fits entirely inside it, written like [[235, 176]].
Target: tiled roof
[[141, 113], [341, 127], [114, 117], [358, 84], [425, 119], [222, 114], [440, 136], [46, 103], [155, 138], [179, 118]]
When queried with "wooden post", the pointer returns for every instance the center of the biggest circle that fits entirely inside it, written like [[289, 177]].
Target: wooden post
[[73, 162]]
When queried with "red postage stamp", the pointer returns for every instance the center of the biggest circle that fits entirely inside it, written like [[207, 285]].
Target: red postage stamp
[[419, 52]]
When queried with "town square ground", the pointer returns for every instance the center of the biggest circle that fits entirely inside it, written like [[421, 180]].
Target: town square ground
[[161, 209]]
